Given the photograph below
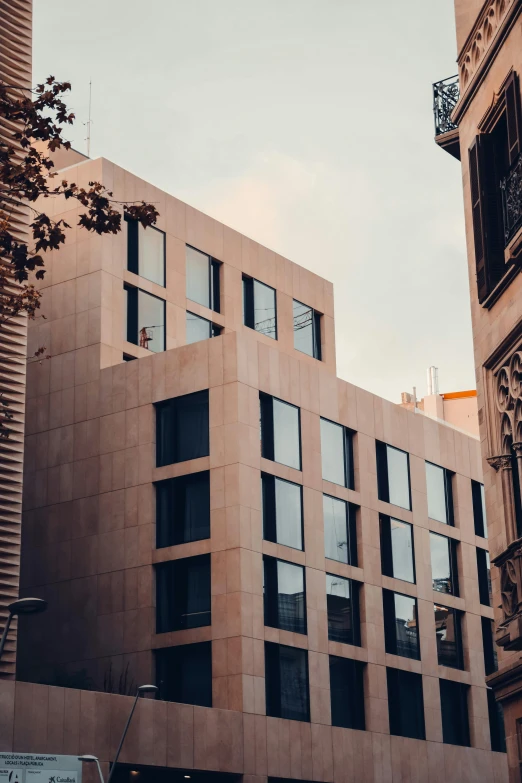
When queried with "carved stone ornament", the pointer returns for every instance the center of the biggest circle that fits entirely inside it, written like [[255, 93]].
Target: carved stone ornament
[[481, 37]]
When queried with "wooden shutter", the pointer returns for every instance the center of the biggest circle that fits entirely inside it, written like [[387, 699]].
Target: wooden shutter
[[513, 117], [477, 211]]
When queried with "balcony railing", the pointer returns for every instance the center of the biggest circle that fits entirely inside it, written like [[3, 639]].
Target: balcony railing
[[445, 96], [511, 187]]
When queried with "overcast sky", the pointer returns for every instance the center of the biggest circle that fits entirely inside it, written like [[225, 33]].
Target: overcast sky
[[307, 125]]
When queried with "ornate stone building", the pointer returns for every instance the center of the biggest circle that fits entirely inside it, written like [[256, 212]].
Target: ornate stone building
[[478, 120]]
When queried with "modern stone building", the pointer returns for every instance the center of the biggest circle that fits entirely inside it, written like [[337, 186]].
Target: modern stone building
[[479, 120], [301, 566]]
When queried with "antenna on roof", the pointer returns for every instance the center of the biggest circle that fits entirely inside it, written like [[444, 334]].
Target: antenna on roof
[[89, 122]]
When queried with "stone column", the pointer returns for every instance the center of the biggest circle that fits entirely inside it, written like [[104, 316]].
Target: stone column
[[503, 463]]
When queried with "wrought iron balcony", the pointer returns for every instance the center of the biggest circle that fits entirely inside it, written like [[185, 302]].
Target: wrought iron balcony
[[445, 96], [511, 187]]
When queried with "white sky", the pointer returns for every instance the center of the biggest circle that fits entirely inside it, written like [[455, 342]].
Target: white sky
[[307, 125]]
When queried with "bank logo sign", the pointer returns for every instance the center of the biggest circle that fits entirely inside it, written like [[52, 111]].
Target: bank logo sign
[[36, 768]]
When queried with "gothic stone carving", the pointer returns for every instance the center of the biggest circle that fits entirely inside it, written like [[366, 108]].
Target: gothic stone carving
[[487, 25]]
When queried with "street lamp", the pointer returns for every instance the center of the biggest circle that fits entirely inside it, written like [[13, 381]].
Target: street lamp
[[21, 606], [142, 689], [89, 759]]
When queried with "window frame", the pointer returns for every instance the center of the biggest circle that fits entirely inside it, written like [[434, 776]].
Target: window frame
[[355, 590], [351, 531], [488, 646], [169, 618], [355, 671], [133, 252], [383, 482], [399, 682], [453, 563], [448, 712], [169, 406], [448, 494], [174, 653], [170, 487], [249, 304], [457, 625], [390, 624], [266, 403], [132, 294], [214, 329], [214, 282], [269, 509], [348, 458], [271, 614], [273, 693], [316, 331], [479, 509], [387, 566], [484, 576]]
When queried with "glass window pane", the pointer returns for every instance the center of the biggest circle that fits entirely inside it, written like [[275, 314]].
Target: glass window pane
[[347, 693], [402, 550], [152, 254], [294, 683], [436, 489], [398, 477], [197, 328], [447, 631], [291, 597], [183, 594], [287, 449], [454, 708], [441, 564], [335, 529], [265, 309], [183, 509], [405, 704], [406, 628], [151, 322], [332, 452], [303, 328], [342, 620], [483, 503], [184, 674], [192, 426], [288, 514], [198, 276]]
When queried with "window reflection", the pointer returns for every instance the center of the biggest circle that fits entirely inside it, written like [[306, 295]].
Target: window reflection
[[284, 595], [447, 631], [202, 278], [342, 606], [282, 511], [443, 564], [307, 330], [259, 307], [436, 489], [145, 251], [400, 624], [287, 449], [402, 550], [333, 453], [145, 319], [393, 475], [199, 329], [336, 543]]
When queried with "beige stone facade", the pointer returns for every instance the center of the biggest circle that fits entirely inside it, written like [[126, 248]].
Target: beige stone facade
[[89, 525]]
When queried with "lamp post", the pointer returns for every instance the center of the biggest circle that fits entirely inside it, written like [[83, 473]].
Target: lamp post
[[142, 689], [21, 606], [89, 759]]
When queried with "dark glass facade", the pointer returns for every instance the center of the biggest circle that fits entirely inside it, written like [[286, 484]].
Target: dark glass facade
[[182, 428]]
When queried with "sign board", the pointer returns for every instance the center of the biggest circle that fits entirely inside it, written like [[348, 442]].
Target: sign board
[[39, 768]]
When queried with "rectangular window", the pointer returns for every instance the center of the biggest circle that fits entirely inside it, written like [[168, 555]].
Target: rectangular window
[[280, 431], [488, 644], [393, 475], [444, 571], [200, 329], [307, 330], [484, 576], [405, 704], [259, 307], [497, 731], [397, 551], [184, 674], [284, 595], [449, 637], [401, 631], [479, 509], [454, 708], [286, 682], [440, 495], [145, 251], [202, 278], [282, 511], [342, 603], [182, 428], [183, 594], [183, 509], [337, 454], [145, 319], [340, 530], [347, 693]]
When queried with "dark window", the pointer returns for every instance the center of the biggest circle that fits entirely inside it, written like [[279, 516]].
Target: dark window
[[440, 495], [145, 251], [401, 631], [342, 601], [454, 708], [259, 307], [184, 674], [145, 319], [307, 330], [202, 278], [405, 704], [393, 475], [490, 652], [497, 731], [284, 595], [484, 576], [337, 453], [340, 530], [286, 682], [183, 509], [183, 594], [280, 431], [397, 551], [282, 511], [182, 428], [347, 693], [449, 636], [493, 157], [444, 571], [479, 509], [200, 329]]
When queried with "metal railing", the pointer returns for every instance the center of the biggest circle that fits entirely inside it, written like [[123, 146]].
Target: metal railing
[[511, 187], [445, 97]]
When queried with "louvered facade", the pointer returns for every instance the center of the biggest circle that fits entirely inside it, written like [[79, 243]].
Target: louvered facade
[[15, 69]]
